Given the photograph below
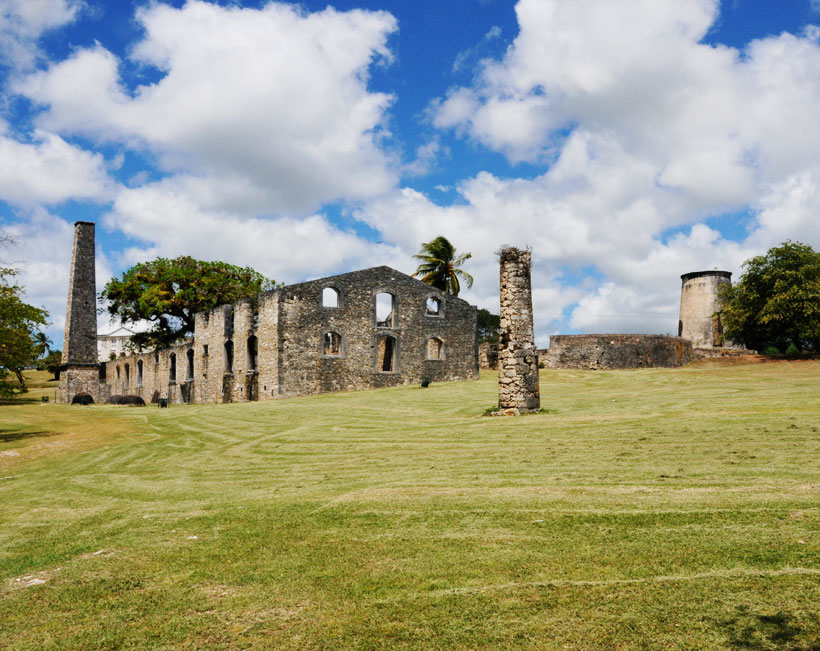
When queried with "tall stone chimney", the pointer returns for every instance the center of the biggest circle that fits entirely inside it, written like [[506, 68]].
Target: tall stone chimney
[[80, 370], [518, 390]]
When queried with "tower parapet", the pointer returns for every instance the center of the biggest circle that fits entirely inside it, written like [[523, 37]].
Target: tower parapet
[[518, 390], [80, 370], [700, 308]]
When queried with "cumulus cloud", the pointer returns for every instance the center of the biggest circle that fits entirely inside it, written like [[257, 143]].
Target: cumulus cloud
[[270, 103], [48, 170], [22, 22], [42, 253], [171, 222], [647, 133]]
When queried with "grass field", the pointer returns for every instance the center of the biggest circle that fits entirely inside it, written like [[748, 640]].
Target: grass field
[[647, 509]]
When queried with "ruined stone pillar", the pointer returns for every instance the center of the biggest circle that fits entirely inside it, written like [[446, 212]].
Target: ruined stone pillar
[[518, 390], [700, 308], [79, 372]]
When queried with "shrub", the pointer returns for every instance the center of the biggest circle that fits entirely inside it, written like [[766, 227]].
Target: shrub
[[792, 350], [771, 350]]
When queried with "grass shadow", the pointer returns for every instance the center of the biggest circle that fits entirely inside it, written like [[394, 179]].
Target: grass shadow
[[748, 630], [11, 434]]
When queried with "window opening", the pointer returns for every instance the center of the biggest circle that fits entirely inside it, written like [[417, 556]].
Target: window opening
[[139, 372], [156, 358], [172, 368], [189, 368], [253, 347], [102, 372], [385, 361], [205, 350], [127, 375], [433, 306], [118, 372], [332, 344], [435, 348], [385, 316], [330, 297], [229, 356]]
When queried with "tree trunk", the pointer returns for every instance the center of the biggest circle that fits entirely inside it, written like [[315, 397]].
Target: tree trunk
[[19, 373]]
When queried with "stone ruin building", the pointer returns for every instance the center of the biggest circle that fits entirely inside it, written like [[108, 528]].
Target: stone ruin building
[[371, 328], [518, 388]]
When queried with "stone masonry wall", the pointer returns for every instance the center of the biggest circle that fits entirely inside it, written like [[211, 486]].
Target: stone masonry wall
[[617, 351], [122, 375], [518, 389], [305, 367]]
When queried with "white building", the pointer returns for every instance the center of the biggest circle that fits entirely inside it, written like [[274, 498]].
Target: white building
[[113, 343]]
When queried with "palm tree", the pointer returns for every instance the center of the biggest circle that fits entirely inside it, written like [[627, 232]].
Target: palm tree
[[439, 266]]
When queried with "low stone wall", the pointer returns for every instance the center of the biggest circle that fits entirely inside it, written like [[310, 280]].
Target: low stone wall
[[720, 353], [617, 351]]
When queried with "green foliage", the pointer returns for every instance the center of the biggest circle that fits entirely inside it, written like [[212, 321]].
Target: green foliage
[[51, 363], [776, 302], [439, 266], [771, 351], [488, 325], [21, 340], [792, 350], [168, 293]]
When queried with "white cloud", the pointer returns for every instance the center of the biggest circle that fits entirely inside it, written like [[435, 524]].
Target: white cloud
[[271, 103], [49, 170], [42, 254], [172, 223], [22, 22]]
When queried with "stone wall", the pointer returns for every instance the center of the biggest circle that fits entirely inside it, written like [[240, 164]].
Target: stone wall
[[303, 346], [700, 308], [617, 351], [488, 356], [518, 389]]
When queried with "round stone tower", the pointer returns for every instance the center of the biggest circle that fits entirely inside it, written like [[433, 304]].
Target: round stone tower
[[700, 308]]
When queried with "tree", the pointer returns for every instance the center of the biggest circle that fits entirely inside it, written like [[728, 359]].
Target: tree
[[20, 332], [439, 266], [488, 325], [776, 302], [52, 363], [168, 293]]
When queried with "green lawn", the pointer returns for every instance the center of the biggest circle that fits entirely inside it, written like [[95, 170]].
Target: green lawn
[[663, 508]]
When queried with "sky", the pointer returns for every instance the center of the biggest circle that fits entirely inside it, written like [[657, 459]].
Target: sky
[[626, 142]]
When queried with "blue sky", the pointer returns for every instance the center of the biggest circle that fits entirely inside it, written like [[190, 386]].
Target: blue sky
[[627, 143]]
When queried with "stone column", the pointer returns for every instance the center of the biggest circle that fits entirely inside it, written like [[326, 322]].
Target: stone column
[[518, 390], [80, 370]]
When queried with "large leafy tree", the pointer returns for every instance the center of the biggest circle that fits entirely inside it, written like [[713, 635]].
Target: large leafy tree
[[21, 338], [168, 293], [439, 266], [488, 326], [776, 302]]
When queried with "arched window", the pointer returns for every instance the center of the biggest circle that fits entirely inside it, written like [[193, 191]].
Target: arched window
[[432, 306], [172, 368], [139, 372], [189, 367], [229, 356], [332, 344], [385, 310], [118, 372], [253, 348], [435, 348], [386, 354], [127, 376], [330, 297]]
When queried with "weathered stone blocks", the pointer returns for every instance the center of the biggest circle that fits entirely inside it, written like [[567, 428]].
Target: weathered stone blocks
[[518, 389]]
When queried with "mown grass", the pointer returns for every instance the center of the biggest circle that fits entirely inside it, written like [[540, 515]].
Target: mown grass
[[647, 509]]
